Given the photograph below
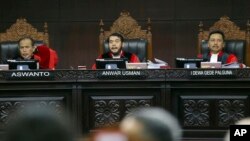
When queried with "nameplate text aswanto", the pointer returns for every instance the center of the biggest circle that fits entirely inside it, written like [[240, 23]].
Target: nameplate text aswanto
[[29, 75]]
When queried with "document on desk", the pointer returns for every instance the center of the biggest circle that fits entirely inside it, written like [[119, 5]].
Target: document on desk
[[211, 64], [157, 65], [4, 67], [136, 65], [231, 65]]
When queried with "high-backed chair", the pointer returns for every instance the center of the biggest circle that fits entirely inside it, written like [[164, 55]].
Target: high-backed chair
[[137, 41], [236, 41], [9, 39]]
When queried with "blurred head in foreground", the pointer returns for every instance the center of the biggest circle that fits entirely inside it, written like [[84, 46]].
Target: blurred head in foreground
[[151, 124], [106, 134], [35, 124]]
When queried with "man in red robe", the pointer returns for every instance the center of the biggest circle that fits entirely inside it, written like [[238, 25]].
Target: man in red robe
[[216, 44], [115, 42], [46, 57]]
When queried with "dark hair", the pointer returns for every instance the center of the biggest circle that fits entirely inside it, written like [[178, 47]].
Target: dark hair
[[32, 124], [117, 35], [217, 32], [156, 129], [27, 37], [158, 123]]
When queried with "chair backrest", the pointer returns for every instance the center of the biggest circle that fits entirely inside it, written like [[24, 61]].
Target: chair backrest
[[236, 47], [137, 41], [236, 41], [9, 39]]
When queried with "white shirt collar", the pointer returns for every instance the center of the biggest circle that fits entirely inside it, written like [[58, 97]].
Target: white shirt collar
[[214, 57]]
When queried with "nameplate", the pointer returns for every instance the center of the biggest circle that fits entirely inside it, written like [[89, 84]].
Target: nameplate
[[121, 74], [29, 75], [213, 73]]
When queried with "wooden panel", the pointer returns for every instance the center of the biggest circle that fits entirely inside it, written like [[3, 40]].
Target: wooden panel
[[110, 9], [240, 9], [73, 25], [107, 103], [23, 97], [186, 39], [39, 10], [202, 9], [76, 43], [163, 41], [109, 110], [205, 106], [10, 104], [210, 109]]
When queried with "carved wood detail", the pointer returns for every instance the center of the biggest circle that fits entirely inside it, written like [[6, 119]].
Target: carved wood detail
[[66, 75], [108, 111], [231, 31], [129, 28], [213, 111], [177, 73], [9, 106], [230, 111], [196, 113], [131, 104], [21, 29], [162, 74]]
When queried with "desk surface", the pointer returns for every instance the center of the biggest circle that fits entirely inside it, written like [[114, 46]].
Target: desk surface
[[156, 74]]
